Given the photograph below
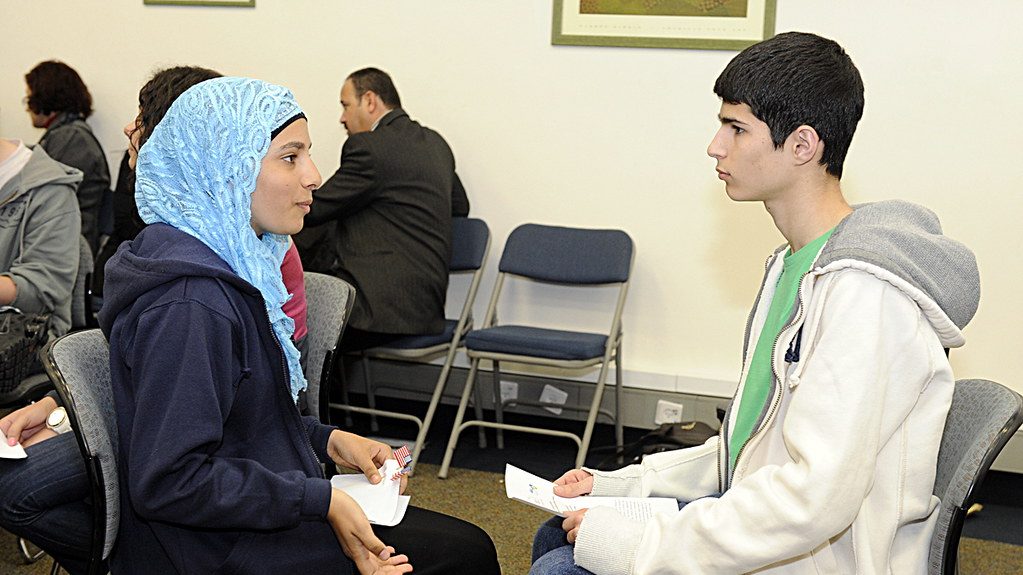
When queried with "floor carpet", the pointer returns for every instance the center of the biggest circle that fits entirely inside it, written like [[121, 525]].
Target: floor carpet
[[477, 495]]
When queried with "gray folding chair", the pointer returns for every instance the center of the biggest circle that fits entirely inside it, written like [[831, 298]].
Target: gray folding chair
[[982, 419], [81, 296], [79, 366], [470, 243], [329, 303], [564, 256]]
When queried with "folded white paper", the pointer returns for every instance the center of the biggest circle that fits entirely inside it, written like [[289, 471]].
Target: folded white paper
[[11, 452], [538, 492], [382, 503]]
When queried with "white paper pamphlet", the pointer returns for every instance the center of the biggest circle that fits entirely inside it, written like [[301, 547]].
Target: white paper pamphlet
[[538, 492], [11, 452], [382, 503]]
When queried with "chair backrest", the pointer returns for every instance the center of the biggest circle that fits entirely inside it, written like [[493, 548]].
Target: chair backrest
[[982, 419], [470, 244], [79, 366], [470, 240], [568, 255], [79, 293], [329, 303]]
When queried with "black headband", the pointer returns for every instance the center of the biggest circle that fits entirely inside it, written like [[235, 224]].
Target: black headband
[[288, 122]]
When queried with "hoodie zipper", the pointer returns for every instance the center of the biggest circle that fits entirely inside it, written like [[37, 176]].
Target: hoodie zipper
[[723, 480], [776, 399], [287, 380]]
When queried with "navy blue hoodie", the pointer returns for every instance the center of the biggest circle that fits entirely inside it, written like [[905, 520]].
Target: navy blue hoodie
[[212, 446]]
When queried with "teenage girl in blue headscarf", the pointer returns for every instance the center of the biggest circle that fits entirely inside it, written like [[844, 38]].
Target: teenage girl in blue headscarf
[[219, 471]]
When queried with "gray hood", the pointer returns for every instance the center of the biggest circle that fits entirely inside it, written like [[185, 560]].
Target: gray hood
[[906, 240], [38, 172]]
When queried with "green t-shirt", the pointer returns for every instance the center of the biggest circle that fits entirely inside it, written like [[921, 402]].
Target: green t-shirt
[[760, 379]]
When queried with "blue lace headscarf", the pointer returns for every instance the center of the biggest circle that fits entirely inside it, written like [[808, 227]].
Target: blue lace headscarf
[[197, 172]]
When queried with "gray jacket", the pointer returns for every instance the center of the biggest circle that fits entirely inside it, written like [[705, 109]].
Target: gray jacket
[[70, 141], [39, 229]]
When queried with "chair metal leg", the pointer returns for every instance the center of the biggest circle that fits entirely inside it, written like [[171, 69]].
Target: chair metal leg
[[619, 427], [592, 417], [28, 555], [456, 429], [371, 398], [55, 569], [438, 391], [477, 404], [498, 403]]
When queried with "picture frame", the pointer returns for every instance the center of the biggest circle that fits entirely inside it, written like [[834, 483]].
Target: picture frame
[[696, 24], [234, 3]]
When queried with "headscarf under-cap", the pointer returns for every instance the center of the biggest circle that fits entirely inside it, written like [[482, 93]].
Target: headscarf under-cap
[[197, 172]]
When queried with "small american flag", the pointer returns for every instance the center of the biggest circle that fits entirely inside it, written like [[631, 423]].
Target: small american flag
[[404, 458]]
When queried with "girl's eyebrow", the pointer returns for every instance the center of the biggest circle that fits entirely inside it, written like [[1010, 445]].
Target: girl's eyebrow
[[294, 145]]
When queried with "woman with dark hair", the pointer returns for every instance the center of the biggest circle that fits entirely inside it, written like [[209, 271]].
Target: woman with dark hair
[[154, 98], [57, 100], [43, 497]]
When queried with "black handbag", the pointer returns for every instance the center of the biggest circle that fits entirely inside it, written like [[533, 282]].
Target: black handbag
[[22, 336]]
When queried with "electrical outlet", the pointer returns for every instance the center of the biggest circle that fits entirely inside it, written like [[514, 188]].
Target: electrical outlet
[[509, 391], [551, 394], [667, 412]]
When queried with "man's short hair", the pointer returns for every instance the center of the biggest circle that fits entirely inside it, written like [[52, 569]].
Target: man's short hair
[[56, 87], [376, 81], [797, 78]]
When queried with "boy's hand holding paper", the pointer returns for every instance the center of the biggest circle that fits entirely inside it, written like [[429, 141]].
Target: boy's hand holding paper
[[539, 492]]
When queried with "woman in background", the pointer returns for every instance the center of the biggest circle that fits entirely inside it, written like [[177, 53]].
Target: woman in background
[[57, 100]]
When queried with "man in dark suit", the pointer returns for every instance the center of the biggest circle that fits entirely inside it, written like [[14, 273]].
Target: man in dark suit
[[382, 222]]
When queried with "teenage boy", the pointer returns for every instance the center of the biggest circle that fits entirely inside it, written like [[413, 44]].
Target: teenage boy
[[826, 459]]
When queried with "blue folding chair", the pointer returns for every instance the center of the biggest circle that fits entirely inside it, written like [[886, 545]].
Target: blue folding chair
[[563, 256], [470, 243]]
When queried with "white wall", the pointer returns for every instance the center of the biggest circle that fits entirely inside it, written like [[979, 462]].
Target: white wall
[[608, 137]]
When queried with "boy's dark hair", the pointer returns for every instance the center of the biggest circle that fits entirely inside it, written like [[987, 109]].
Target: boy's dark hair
[[55, 87], [797, 78], [156, 97], [376, 81]]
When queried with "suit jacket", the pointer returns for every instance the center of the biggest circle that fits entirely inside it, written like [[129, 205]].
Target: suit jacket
[[382, 222]]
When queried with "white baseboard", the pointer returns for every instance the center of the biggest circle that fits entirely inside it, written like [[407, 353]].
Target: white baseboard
[[640, 393]]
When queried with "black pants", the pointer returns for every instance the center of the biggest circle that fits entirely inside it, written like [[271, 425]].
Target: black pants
[[436, 544], [355, 339]]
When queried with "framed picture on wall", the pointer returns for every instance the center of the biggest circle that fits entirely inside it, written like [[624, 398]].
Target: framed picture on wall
[[702, 24], [242, 3]]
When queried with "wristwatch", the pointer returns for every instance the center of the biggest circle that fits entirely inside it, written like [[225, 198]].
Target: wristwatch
[[58, 421]]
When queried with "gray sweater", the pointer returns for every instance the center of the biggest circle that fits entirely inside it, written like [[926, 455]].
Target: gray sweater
[[70, 141], [39, 229]]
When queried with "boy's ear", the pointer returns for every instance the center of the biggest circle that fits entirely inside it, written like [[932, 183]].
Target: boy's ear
[[807, 145]]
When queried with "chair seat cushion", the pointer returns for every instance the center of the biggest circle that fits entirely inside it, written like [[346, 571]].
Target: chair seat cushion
[[424, 341], [537, 342]]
